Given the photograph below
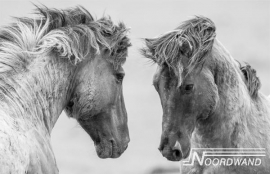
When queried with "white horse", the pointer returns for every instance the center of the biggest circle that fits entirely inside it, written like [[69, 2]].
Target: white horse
[[62, 60]]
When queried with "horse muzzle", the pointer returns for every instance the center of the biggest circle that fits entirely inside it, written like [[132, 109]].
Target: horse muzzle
[[176, 152], [110, 149]]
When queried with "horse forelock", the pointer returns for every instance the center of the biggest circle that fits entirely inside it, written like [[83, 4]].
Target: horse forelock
[[71, 33], [193, 38]]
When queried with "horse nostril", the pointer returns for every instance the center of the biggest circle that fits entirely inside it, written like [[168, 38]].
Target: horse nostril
[[112, 142], [177, 153]]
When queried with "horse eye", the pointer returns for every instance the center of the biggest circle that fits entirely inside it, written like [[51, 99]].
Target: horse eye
[[120, 77], [189, 87]]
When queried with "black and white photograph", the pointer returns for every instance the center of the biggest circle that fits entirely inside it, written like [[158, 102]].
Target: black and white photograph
[[134, 87]]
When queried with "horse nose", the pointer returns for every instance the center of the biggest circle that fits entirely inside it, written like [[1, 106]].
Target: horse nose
[[177, 151]]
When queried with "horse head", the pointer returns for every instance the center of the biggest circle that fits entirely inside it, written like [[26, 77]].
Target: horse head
[[97, 103], [97, 100], [184, 82], [97, 49]]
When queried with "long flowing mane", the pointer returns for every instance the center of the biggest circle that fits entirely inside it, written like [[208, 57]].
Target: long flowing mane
[[193, 38], [70, 33]]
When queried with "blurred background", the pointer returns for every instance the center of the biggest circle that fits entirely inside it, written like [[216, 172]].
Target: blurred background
[[242, 26]]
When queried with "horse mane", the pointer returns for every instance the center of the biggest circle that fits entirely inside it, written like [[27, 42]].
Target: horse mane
[[193, 38], [71, 33], [251, 80]]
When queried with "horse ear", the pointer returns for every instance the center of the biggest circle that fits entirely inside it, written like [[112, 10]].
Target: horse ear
[[251, 80]]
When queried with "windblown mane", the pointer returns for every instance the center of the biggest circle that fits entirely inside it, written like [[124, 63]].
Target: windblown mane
[[193, 38], [71, 33], [251, 80]]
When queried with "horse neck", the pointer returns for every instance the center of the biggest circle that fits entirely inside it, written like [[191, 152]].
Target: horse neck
[[39, 95], [235, 110]]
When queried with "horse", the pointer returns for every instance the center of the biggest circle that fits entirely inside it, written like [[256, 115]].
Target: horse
[[209, 99], [60, 60]]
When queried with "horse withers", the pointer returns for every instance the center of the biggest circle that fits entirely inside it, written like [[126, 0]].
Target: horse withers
[[62, 60], [209, 101]]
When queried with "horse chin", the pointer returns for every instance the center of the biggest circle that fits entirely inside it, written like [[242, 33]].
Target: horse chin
[[107, 150]]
